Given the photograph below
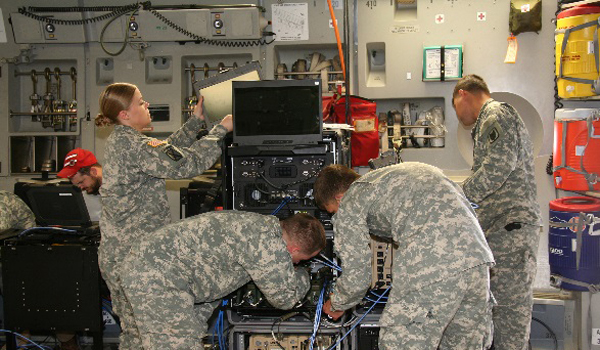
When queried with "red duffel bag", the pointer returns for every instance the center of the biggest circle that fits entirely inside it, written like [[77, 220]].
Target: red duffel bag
[[363, 117]]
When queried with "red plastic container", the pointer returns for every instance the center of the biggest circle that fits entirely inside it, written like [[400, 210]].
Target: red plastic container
[[576, 154]]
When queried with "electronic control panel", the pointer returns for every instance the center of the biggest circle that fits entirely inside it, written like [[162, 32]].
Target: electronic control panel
[[279, 181], [265, 182], [383, 255]]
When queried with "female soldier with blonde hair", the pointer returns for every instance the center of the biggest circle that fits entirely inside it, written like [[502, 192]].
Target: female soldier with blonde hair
[[134, 197]]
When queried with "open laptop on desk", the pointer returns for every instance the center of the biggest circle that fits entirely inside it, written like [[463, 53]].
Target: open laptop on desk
[[60, 212], [58, 205]]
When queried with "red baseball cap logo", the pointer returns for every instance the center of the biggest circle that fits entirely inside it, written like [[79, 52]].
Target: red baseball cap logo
[[75, 160]]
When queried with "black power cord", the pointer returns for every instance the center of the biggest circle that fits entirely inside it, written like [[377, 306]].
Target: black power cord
[[115, 12], [550, 331], [222, 43]]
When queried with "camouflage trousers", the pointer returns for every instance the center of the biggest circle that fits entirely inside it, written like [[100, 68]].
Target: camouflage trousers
[[512, 280], [451, 314], [165, 310], [129, 338]]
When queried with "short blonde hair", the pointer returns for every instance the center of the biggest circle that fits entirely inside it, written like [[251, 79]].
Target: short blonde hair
[[306, 231]]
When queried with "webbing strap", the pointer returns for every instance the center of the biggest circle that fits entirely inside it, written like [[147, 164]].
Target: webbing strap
[[583, 219], [558, 280], [590, 178], [567, 33]]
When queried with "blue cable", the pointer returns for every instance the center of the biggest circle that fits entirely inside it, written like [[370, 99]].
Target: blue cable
[[32, 343], [218, 330], [278, 207], [31, 346], [281, 205], [329, 261], [318, 312], [374, 301], [46, 228], [216, 333], [219, 327], [335, 267], [377, 295], [359, 320]]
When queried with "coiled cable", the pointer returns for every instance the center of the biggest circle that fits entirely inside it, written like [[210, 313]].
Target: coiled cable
[[203, 40], [116, 11]]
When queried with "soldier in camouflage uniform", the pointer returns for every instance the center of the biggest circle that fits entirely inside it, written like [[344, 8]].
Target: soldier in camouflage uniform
[[440, 294], [503, 186], [173, 277], [14, 213], [134, 198]]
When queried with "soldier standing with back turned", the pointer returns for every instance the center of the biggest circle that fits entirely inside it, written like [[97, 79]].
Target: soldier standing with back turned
[[503, 187]]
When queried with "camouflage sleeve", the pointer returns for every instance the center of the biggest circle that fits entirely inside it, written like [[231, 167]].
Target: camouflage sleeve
[[164, 160], [186, 135], [498, 148], [271, 269], [352, 245], [23, 216]]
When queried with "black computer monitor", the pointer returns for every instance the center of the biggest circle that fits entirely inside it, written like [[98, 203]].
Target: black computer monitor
[[57, 205], [277, 112]]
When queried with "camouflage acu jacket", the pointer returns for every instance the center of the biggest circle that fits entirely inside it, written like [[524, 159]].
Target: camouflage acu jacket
[[423, 212], [133, 192], [217, 253], [503, 179], [14, 213]]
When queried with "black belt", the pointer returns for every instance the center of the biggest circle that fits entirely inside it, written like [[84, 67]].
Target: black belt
[[513, 226]]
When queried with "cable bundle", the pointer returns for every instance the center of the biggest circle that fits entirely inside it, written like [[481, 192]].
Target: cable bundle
[[317, 321], [219, 330], [281, 205]]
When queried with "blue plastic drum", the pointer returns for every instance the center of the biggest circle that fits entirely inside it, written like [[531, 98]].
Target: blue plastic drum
[[575, 256]]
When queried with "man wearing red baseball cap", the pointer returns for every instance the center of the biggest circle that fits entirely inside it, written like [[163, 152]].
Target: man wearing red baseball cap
[[84, 171]]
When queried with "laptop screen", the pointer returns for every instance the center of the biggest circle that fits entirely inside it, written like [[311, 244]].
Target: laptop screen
[[277, 113], [58, 205]]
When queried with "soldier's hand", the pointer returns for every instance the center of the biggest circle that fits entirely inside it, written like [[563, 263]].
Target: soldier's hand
[[227, 122], [199, 109], [333, 314]]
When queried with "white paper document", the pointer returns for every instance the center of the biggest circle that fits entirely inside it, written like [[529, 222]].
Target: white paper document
[[290, 21]]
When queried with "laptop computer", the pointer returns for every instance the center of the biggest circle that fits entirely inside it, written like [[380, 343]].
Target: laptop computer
[[59, 205], [60, 213]]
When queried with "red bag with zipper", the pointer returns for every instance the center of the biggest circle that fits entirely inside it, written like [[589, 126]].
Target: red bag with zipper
[[363, 117]]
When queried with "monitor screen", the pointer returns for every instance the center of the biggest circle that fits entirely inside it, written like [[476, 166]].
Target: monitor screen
[[277, 113], [58, 205], [217, 90]]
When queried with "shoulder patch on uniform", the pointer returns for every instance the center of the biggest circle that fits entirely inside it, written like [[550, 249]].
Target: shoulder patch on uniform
[[492, 132], [156, 142], [493, 135], [173, 153]]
